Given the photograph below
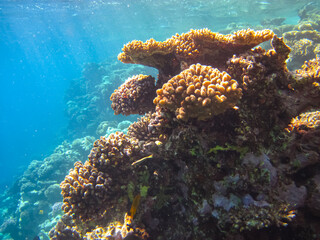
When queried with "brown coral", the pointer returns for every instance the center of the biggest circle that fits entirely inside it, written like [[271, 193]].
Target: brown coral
[[85, 192], [196, 46], [116, 150], [147, 128], [198, 92], [254, 64], [65, 229], [134, 96]]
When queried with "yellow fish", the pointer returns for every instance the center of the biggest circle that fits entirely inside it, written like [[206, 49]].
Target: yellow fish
[[141, 160], [135, 205], [40, 212]]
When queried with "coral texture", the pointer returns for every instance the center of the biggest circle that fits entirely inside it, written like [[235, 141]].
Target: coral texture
[[199, 92], [310, 72], [305, 121], [197, 46], [134, 96], [119, 231], [85, 191]]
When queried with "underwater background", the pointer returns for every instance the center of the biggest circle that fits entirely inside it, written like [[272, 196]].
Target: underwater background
[[59, 68]]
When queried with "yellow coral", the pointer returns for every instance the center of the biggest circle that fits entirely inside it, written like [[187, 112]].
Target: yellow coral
[[119, 231], [293, 36], [310, 69], [198, 92], [310, 73], [137, 50], [309, 120], [193, 44]]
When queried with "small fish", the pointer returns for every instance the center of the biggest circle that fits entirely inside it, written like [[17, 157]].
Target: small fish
[[135, 205], [40, 212], [141, 160]]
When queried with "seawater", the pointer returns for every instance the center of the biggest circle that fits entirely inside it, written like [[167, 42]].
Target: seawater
[[49, 49]]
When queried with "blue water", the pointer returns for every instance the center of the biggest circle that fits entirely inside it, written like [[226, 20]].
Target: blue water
[[44, 45]]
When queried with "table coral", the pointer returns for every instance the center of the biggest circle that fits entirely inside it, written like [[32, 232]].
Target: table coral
[[197, 46], [134, 96], [199, 92]]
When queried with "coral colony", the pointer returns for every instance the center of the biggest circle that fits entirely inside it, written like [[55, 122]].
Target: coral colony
[[223, 150]]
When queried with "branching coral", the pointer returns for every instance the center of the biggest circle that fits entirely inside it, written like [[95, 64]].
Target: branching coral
[[307, 120], [303, 43], [310, 72], [134, 96], [199, 92]]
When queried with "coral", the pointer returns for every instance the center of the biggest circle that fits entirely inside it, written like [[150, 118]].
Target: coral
[[305, 121], [116, 150], [254, 64], [119, 231], [291, 37], [85, 192], [91, 190], [304, 45], [87, 96], [196, 46], [65, 229], [134, 96], [199, 92], [37, 190], [147, 128], [310, 72], [212, 159]]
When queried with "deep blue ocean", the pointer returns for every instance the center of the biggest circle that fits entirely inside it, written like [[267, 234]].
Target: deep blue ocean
[[45, 46]]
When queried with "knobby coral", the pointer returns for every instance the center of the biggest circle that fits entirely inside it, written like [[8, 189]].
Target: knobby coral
[[134, 96], [198, 92]]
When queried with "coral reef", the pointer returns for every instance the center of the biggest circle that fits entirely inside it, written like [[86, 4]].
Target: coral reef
[[221, 155], [37, 195], [303, 38]]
